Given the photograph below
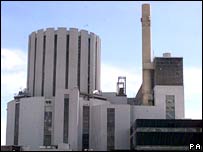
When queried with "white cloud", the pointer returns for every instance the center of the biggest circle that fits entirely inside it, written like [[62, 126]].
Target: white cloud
[[13, 70], [193, 92], [13, 77], [13, 59], [192, 82]]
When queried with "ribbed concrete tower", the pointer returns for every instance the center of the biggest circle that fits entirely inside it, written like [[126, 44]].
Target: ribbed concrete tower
[[146, 54], [63, 59]]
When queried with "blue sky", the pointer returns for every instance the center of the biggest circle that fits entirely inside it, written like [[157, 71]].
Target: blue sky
[[176, 27]]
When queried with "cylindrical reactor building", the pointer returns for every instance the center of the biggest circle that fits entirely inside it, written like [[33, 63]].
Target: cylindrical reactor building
[[63, 59]]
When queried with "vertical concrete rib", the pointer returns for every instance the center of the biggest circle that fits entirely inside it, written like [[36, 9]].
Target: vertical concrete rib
[[49, 62], [84, 62], [98, 63], [92, 61], [31, 63], [61, 58], [73, 58], [38, 66], [28, 61]]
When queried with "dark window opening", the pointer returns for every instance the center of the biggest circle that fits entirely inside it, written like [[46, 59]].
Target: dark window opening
[[67, 61], [16, 128], [79, 52], [66, 119], [43, 64], [110, 129], [88, 79], [47, 127], [85, 134], [55, 55]]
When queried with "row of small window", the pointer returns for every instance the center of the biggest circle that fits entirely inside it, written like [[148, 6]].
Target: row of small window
[[48, 102]]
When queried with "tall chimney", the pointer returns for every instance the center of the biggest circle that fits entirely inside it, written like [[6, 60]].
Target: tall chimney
[[146, 55]]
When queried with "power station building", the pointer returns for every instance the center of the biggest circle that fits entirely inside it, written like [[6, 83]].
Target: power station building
[[63, 106]]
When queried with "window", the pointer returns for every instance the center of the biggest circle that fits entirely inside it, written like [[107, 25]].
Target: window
[[85, 134], [110, 128], [47, 127], [43, 64], [66, 123], [79, 52], [54, 74], [48, 102], [16, 127], [67, 61], [170, 107], [88, 80]]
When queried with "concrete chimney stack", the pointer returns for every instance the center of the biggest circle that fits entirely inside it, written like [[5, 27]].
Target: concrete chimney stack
[[147, 65]]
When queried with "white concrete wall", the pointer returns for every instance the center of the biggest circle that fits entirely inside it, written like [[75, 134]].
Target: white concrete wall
[[112, 98], [28, 61], [59, 116], [10, 122], [80, 123], [31, 63], [160, 93], [73, 58], [61, 58], [49, 63], [92, 61], [98, 61], [158, 111], [95, 123], [122, 127], [99, 126], [38, 64], [73, 117], [147, 112], [84, 62], [31, 122]]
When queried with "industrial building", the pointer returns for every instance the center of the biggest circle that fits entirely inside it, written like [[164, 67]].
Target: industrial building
[[63, 107]]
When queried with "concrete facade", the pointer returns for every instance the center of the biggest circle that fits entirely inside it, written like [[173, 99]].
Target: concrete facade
[[61, 107], [31, 63], [10, 123], [84, 61], [49, 66], [73, 117], [31, 121], [73, 58], [160, 93], [158, 110], [56, 58], [114, 99], [39, 63]]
